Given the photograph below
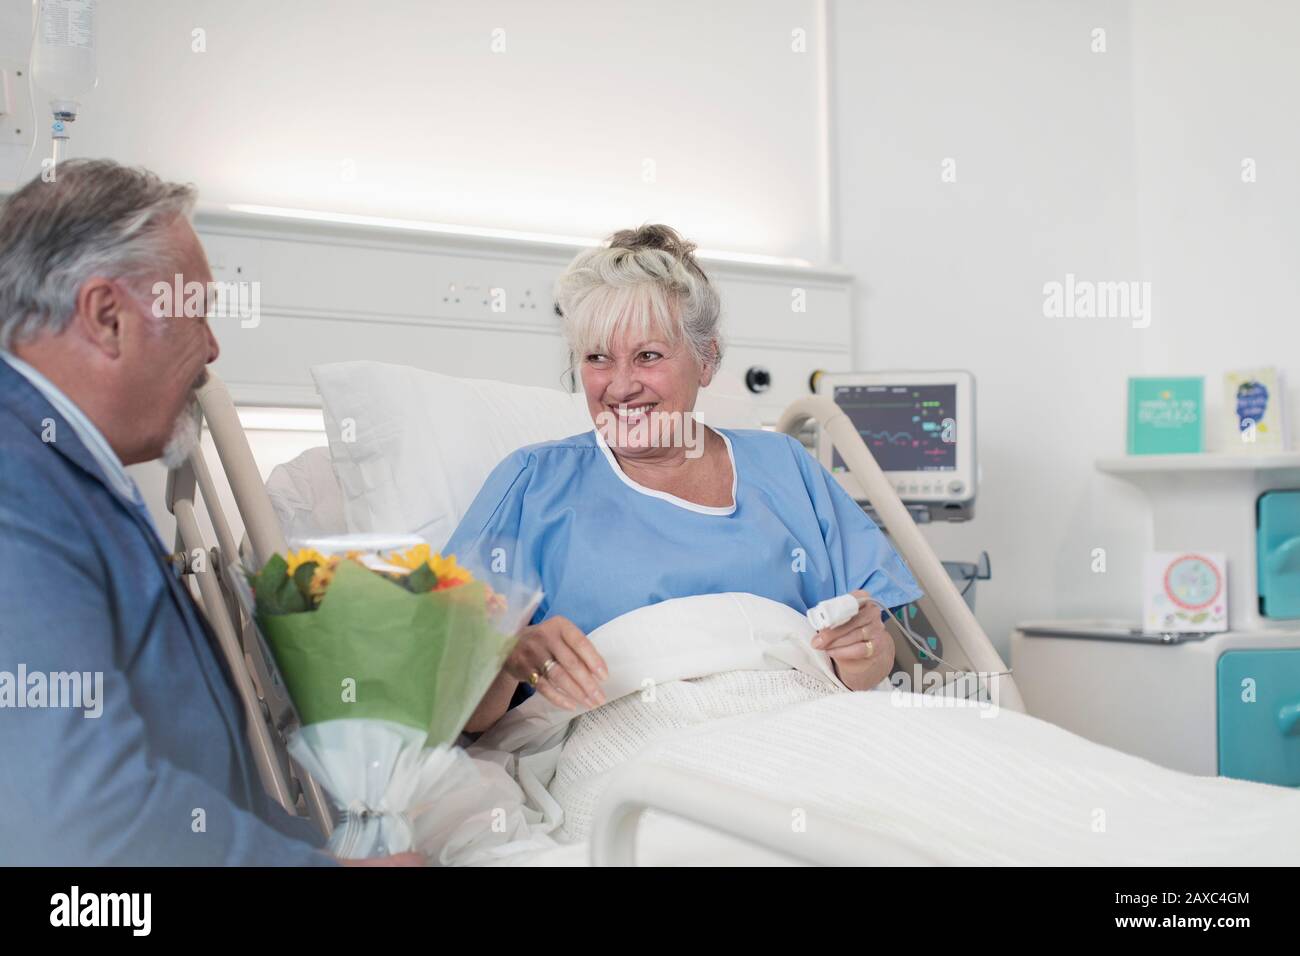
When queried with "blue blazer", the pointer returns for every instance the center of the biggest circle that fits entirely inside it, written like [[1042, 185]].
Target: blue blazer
[[163, 775]]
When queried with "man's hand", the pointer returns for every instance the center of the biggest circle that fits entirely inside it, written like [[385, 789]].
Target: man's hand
[[861, 649]]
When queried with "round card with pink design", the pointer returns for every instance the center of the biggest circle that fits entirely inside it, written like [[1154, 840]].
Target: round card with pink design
[[1186, 592]]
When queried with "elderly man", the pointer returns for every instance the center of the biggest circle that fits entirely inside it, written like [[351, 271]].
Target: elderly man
[[121, 741]]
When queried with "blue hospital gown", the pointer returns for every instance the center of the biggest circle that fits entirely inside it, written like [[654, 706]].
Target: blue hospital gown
[[566, 516]]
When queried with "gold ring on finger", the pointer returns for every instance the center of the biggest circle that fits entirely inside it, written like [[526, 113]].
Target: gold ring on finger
[[546, 668]]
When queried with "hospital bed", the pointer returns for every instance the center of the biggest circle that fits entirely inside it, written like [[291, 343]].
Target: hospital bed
[[681, 801]]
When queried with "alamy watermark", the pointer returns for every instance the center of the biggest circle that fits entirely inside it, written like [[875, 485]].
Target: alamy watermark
[[922, 688], [1085, 299], [82, 690], [75, 908], [653, 429], [216, 300]]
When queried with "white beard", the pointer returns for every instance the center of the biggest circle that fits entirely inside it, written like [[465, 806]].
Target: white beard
[[184, 438]]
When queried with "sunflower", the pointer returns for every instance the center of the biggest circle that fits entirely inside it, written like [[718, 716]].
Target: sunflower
[[296, 559], [449, 573], [411, 559], [321, 579]]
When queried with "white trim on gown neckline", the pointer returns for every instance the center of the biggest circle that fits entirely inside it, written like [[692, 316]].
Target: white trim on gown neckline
[[673, 499]]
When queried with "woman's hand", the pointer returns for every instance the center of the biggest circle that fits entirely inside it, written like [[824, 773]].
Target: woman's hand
[[861, 649], [567, 667]]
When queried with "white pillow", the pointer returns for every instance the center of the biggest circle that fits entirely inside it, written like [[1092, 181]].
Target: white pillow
[[306, 497], [411, 448]]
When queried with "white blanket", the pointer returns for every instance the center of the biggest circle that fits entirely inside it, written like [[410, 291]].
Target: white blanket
[[957, 786], [600, 742], [727, 687], [672, 666]]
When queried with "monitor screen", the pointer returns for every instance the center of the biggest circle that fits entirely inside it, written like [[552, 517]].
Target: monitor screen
[[906, 427]]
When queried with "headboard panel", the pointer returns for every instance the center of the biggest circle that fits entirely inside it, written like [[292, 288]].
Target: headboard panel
[[475, 307]]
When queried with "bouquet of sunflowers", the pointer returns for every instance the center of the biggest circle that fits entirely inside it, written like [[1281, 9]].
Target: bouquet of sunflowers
[[386, 655]]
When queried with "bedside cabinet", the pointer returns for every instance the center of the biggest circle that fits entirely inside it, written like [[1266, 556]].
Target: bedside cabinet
[[1224, 704], [1259, 715]]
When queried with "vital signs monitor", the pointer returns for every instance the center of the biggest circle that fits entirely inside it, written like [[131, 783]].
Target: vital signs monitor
[[920, 428]]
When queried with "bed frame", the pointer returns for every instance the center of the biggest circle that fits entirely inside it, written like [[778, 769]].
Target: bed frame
[[964, 642], [270, 714], [268, 711]]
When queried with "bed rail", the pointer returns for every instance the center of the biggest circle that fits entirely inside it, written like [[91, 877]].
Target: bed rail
[[942, 603], [269, 713], [643, 785]]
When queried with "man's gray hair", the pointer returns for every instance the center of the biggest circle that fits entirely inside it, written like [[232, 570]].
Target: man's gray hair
[[96, 218]]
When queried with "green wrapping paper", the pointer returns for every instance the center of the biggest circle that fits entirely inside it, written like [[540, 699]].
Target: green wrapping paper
[[421, 660]]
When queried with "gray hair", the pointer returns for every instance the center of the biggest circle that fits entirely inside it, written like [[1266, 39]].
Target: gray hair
[[95, 218], [643, 280]]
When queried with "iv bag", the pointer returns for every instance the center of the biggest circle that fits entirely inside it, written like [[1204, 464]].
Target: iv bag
[[63, 63]]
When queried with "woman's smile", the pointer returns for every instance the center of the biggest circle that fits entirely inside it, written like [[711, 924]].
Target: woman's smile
[[633, 413]]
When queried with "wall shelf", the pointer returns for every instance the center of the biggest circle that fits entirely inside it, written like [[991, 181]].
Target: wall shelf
[[1206, 461]]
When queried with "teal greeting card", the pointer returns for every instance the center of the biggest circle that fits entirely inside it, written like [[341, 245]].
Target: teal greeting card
[[1166, 416]]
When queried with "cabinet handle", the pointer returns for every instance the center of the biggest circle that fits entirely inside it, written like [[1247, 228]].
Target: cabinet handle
[[1288, 718]]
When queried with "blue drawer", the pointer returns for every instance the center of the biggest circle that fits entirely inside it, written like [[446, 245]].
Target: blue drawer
[[1259, 739], [1277, 553]]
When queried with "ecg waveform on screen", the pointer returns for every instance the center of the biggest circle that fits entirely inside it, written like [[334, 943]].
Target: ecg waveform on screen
[[907, 428], [888, 438]]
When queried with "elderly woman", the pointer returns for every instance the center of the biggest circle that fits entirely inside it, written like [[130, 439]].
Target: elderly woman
[[652, 505]]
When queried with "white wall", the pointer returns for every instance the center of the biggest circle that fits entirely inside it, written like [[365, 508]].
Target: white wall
[[1114, 166], [951, 274], [1219, 83], [401, 108]]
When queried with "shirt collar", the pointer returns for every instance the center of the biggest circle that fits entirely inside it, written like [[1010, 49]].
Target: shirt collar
[[83, 427]]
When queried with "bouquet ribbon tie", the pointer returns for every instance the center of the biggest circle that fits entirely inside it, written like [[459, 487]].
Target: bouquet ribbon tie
[[359, 808], [364, 825]]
